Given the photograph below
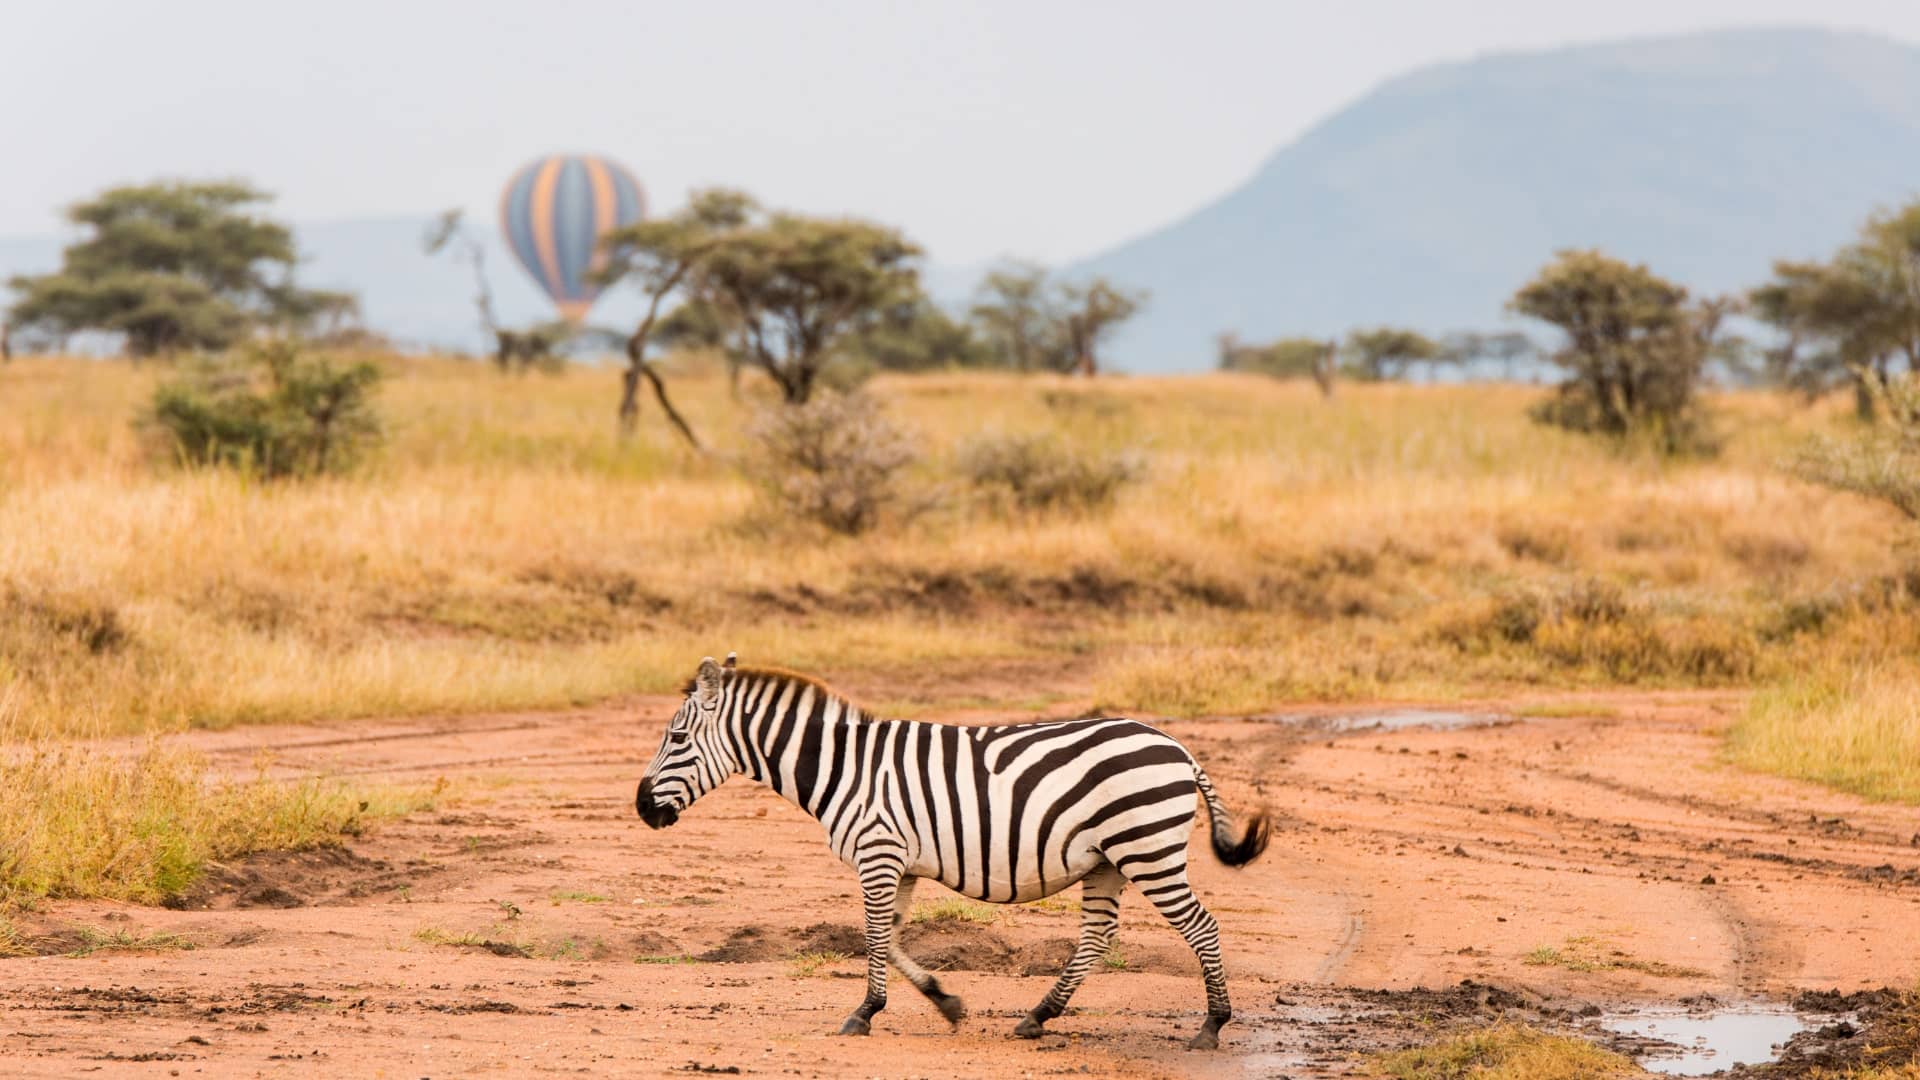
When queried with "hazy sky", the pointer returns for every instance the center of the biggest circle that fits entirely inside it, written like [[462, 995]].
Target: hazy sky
[[1050, 130]]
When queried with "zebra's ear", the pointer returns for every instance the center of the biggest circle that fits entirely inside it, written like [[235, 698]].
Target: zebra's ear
[[707, 681], [732, 658]]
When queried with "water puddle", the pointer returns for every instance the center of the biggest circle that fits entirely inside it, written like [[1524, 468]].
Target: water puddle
[[1390, 720], [1698, 1043]]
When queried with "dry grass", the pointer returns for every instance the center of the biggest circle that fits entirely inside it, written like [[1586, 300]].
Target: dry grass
[[1856, 728], [1505, 1052], [94, 940], [813, 963], [504, 550], [83, 821], [957, 909], [1589, 954]]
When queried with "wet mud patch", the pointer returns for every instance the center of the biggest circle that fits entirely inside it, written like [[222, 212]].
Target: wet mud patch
[[1846, 1033], [1813, 1035]]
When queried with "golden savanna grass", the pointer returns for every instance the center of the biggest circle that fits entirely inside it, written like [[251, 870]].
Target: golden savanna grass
[[81, 820], [1856, 728], [505, 550]]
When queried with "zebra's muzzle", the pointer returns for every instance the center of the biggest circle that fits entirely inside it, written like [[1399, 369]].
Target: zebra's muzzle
[[657, 815]]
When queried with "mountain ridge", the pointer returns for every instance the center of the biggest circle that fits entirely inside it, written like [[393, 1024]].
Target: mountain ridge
[[1429, 199]]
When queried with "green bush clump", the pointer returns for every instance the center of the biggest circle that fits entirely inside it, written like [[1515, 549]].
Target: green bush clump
[[270, 409]]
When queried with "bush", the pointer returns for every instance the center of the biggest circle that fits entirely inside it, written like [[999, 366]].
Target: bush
[[271, 410], [1882, 462], [834, 461], [1037, 472]]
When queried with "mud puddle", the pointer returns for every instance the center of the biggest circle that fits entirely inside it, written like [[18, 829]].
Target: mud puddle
[[1389, 720], [1678, 1042]]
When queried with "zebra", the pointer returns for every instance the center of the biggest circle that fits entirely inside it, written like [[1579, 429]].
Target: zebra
[[1001, 814]]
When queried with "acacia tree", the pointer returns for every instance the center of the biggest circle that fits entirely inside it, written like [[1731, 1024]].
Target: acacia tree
[[1039, 324], [1014, 311], [1506, 348], [1847, 321], [799, 286], [175, 265], [662, 259], [920, 336], [1386, 352], [513, 350], [1636, 349], [1092, 312], [1287, 358]]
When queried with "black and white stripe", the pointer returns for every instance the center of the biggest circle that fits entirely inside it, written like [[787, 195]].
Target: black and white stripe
[[1002, 814]]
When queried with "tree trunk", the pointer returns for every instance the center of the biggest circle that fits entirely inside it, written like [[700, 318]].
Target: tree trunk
[[673, 414], [1323, 370], [629, 400]]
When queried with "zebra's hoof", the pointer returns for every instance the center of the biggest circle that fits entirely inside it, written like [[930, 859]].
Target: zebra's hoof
[[1030, 1028], [855, 1026], [1209, 1037], [952, 1008]]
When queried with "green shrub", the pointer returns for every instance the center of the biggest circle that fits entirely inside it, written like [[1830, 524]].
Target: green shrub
[[269, 409], [1036, 472]]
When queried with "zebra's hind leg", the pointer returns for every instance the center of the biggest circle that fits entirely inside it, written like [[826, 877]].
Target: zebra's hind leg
[[1099, 915], [879, 887], [950, 1005], [1167, 889]]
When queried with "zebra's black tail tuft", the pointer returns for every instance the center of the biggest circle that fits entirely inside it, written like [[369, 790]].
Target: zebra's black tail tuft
[[1229, 850], [1250, 845]]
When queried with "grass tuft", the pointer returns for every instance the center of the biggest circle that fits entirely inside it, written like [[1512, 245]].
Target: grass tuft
[[93, 940], [1588, 954], [1504, 1052], [956, 909], [808, 964]]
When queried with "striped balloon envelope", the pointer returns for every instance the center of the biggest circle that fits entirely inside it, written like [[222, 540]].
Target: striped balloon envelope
[[555, 210]]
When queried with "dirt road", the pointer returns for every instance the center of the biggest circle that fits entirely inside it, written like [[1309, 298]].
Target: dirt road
[[537, 926]]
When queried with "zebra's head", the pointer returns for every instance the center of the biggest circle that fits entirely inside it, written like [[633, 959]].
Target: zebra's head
[[694, 757]]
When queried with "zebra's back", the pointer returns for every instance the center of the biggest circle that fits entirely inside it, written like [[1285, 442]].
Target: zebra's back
[[1015, 813]]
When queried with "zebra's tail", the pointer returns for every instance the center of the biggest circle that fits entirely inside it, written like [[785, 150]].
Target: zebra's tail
[[1233, 852]]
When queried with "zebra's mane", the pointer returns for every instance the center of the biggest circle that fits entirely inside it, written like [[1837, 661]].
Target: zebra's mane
[[791, 676]]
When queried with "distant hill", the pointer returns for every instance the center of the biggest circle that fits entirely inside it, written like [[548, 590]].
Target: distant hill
[[1432, 198]]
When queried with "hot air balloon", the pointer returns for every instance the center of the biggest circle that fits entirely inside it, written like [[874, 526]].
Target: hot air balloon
[[555, 210]]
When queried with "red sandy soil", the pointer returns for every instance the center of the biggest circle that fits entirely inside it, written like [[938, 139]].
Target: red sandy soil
[[1403, 859]]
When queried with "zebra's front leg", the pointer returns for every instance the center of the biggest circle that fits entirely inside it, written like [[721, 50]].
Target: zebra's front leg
[[1099, 916], [950, 1005], [879, 888]]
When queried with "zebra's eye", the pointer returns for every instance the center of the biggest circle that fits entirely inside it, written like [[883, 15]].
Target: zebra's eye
[[676, 736]]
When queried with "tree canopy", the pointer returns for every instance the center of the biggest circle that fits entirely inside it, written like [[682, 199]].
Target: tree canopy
[[1287, 358], [1386, 352], [1848, 320], [1037, 324], [797, 286], [175, 265], [1636, 348]]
